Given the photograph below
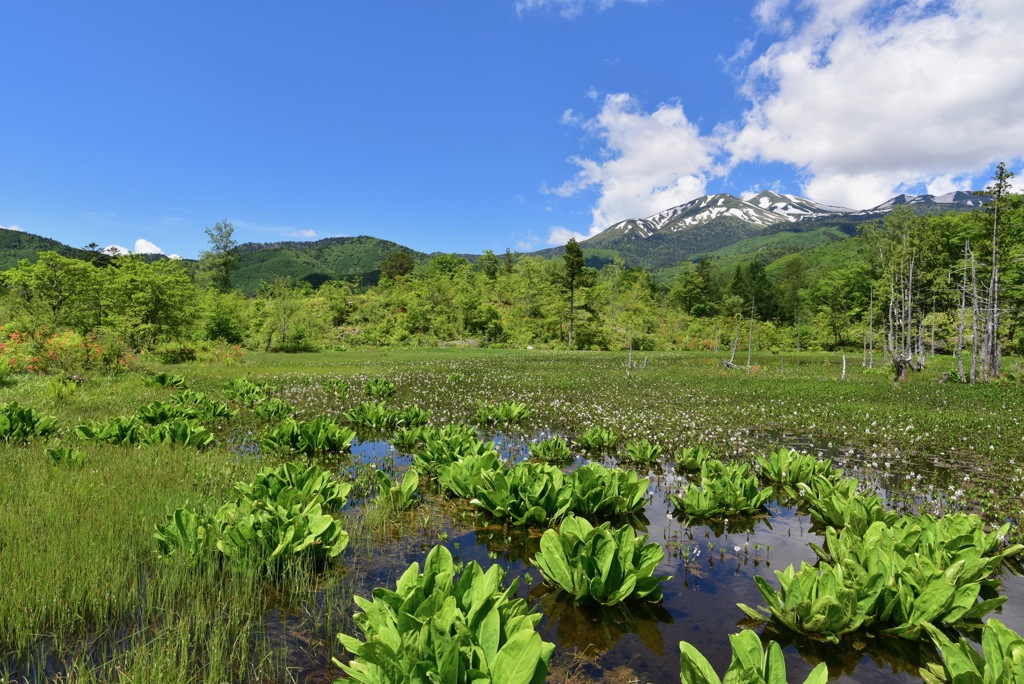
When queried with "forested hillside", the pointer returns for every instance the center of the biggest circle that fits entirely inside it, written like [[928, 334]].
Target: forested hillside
[[906, 285]]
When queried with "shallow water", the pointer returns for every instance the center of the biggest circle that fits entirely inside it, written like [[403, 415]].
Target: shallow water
[[712, 569]]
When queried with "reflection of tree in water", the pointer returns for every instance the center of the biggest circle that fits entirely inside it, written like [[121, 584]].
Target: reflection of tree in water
[[511, 543], [595, 629], [899, 655]]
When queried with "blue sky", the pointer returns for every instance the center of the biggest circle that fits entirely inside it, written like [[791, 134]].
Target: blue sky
[[467, 125]]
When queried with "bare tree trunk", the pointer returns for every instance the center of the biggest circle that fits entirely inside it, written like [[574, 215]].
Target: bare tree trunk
[[975, 305], [963, 323], [843, 377], [750, 338], [735, 344], [871, 328]]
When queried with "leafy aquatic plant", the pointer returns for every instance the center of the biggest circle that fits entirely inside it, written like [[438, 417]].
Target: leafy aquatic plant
[[788, 469], [203, 406], [133, 430], [303, 483], [692, 459], [846, 511], [731, 490], [320, 435], [643, 452], [464, 478], [186, 536], [1000, 662], [599, 492], [552, 450], [273, 409], [413, 416], [379, 388], [528, 493], [598, 439], [272, 532], [750, 664], [398, 496], [65, 455], [372, 416], [821, 602], [443, 626], [599, 564], [247, 392], [158, 412], [924, 583], [19, 424], [437, 453], [412, 438], [171, 380], [505, 413]]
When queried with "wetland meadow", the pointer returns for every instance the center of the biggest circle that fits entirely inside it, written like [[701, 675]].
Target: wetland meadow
[[512, 516]]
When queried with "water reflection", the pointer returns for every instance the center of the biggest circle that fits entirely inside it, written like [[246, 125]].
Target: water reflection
[[593, 628]]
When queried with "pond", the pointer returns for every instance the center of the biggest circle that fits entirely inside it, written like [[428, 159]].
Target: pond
[[712, 566]]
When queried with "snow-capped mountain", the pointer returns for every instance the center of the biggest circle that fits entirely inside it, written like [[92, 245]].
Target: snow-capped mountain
[[711, 222], [770, 208]]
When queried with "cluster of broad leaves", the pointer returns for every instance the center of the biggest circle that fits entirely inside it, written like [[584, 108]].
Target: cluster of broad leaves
[[897, 577], [540, 494], [750, 664], [443, 625], [19, 424], [413, 440], [135, 430], [724, 490], [379, 417], [247, 392], [505, 413], [692, 458], [319, 435], [398, 496], [643, 452], [1001, 660], [598, 439], [379, 388], [600, 564], [178, 421], [282, 514], [788, 469], [551, 450]]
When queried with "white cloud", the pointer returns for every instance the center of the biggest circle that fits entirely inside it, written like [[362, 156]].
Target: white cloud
[[143, 246], [559, 235], [649, 162], [869, 97], [13, 226], [301, 233], [174, 257], [115, 250], [568, 9]]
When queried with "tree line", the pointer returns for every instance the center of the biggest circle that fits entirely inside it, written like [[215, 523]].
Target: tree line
[[902, 290]]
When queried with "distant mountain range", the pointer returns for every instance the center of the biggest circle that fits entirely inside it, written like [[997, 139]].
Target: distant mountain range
[[768, 223], [713, 222]]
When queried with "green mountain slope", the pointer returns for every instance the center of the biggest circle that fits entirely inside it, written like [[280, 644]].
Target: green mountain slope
[[15, 246], [340, 258]]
